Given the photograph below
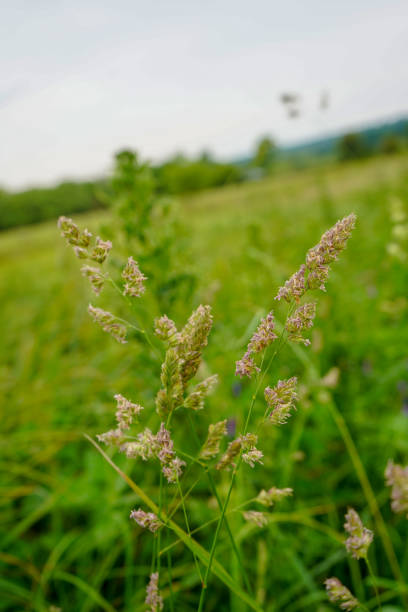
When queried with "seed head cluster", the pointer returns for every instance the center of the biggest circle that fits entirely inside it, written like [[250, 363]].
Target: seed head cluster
[[147, 520], [134, 278], [301, 320], [183, 358], [314, 274], [295, 286], [147, 445], [396, 477], [268, 498], [211, 446], [339, 594], [281, 400], [196, 399], [250, 454], [261, 339], [258, 518], [101, 250], [153, 598], [109, 323], [95, 276], [360, 537], [126, 411]]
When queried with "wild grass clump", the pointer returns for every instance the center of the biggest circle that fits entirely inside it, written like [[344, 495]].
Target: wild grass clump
[[182, 392], [65, 535]]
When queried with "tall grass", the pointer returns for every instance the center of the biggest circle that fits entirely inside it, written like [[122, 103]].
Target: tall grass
[[67, 539]]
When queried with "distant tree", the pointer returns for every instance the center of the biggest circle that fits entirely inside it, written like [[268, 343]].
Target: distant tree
[[206, 157], [265, 153], [390, 143], [352, 146]]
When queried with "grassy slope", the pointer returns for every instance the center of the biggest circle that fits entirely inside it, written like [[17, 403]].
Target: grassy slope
[[65, 513]]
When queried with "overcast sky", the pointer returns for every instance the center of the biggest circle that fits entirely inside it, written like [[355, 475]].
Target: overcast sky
[[81, 79]]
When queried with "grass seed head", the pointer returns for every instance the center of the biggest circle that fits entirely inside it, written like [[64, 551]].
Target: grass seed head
[[109, 323], [101, 250], [295, 286], [195, 400], [268, 498], [134, 279], [281, 400], [126, 411], [234, 448], [73, 235], [396, 476], [147, 520], [153, 598], [95, 276], [166, 330], [360, 537], [211, 447], [301, 320], [253, 516], [262, 338], [339, 594]]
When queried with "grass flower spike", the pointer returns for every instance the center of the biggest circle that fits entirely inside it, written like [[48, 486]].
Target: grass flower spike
[[153, 598], [295, 287], [147, 520], [315, 273], [268, 498], [101, 250], [258, 518], [126, 411], [134, 279], [261, 339], [211, 446], [339, 594], [233, 450], [301, 319], [95, 276], [281, 400], [360, 537], [166, 330], [73, 235], [396, 477], [195, 400], [109, 323], [146, 446]]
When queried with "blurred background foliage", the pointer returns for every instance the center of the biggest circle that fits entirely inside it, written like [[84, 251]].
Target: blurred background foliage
[[66, 539], [183, 175]]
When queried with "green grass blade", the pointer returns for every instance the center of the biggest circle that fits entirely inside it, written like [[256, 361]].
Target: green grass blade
[[194, 546]]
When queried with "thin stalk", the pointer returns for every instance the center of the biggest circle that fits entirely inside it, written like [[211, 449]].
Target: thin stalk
[[140, 329], [231, 537], [260, 380], [215, 539], [169, 567], [188, 529], [370, 571], [217, 497], [216, 494], [160, 517]]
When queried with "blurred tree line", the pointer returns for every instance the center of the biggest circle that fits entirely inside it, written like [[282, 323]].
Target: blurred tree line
[[175, 176], [182, 175]]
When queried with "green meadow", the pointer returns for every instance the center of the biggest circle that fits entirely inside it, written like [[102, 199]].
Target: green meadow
[[65, 535]]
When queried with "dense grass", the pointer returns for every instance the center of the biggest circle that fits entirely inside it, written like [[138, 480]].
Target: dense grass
[[65, 534]]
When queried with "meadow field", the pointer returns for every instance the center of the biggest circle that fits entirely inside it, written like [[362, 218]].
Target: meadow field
[[66, 537]]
